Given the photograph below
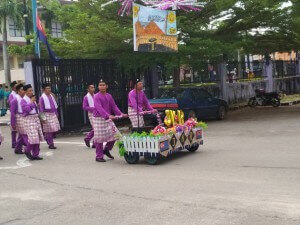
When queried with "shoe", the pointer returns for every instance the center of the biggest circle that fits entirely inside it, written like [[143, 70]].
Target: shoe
[[19, 152], [107, 153], [1, 158], [100, 160], [87, 142], [52, 147], [93, 146], [29, 156], [13, 146], [37, 158]]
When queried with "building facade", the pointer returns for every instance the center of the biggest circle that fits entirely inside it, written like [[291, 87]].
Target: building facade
[[17, 36]]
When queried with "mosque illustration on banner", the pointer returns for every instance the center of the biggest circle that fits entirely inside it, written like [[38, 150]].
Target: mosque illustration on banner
[[154, 30]]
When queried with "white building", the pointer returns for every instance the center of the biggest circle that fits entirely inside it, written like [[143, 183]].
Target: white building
[[16, 36]]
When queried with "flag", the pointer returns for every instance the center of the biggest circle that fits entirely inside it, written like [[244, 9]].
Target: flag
[[41, 34]]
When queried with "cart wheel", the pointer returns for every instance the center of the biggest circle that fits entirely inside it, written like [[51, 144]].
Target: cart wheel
[[131, 158], [152, 160], [193, 148]]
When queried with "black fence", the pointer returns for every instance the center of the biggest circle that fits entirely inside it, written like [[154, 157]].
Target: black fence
[[285, 68], [207, 72], [69, 82], [203, 72]]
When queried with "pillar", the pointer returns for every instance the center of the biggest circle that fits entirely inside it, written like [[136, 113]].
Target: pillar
[[222, 71], [270, 78]]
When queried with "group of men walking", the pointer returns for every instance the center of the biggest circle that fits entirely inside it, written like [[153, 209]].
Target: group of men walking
[[32, 122], [102, 111], [27, 130]]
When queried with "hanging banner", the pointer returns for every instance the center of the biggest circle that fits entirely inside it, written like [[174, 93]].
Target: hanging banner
[[154, 30]]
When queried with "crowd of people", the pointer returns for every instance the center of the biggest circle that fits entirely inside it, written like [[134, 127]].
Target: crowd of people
[[33, 122]]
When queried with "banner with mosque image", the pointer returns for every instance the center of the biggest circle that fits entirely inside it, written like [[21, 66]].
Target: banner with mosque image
[[154, 30]]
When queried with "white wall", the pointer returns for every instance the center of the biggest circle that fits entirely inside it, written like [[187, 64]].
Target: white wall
[[17, 74]]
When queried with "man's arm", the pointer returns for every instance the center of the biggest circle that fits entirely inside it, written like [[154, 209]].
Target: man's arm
[[42, 105], [13, 110], [146, 103], [85, 105], [115, 108], [26, 108]]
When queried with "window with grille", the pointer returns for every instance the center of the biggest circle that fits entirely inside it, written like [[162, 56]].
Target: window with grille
[[56, 30], [14, 30]]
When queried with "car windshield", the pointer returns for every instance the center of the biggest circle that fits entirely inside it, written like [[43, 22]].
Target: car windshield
[[172, 93]]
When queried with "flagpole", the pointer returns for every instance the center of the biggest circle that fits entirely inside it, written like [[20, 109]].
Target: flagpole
[[36, 39]]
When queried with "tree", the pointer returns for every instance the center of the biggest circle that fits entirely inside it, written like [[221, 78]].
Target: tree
[[222, 27], [8, 9]]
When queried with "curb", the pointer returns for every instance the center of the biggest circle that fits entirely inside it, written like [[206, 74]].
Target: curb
[[290, 103], [233, 108]]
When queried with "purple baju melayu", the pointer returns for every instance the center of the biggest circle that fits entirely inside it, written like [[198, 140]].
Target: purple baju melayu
[[88, 106], [11, 97], [32, 126], [143, 103], [104, 128], [17, 121], [51, 124]]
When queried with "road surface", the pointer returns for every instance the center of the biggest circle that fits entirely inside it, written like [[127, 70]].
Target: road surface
[[247, 172]]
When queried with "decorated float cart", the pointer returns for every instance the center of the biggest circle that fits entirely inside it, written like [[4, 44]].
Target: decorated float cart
[[175, 135], [163, 141]]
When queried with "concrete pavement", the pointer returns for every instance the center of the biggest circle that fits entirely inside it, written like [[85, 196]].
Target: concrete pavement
[[247, 172]]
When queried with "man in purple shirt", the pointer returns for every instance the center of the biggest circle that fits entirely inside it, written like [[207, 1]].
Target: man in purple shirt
[[138, 102], [49, 106], [11, 97], [16, 118], [105, 111], [32, 124], [88, 106]]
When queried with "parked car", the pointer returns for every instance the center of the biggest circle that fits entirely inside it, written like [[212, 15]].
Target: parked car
[[193, 101]]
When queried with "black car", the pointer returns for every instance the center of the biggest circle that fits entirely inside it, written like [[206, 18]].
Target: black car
[[193, 101]]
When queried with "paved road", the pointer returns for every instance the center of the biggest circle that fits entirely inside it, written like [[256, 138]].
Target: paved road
[[248, 172]]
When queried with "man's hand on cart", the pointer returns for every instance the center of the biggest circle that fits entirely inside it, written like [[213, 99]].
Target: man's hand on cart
[[154, 111], [111, 117], [120, 117]]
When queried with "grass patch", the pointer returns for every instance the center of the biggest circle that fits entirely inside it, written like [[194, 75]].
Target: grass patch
[[290, 98]]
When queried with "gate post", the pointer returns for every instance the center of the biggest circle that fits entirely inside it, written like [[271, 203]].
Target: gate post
[[223, 86], [298, 65], [269, 73]]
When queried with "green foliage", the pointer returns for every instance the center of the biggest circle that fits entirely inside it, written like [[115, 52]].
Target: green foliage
[[201, 124], [21, 50], [143, 134], [221, 28], [11, 9], [122, 150]]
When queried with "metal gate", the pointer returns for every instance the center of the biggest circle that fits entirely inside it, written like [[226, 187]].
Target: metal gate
[[69, 82]]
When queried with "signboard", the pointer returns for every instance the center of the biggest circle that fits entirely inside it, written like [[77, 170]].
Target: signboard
[[154, 30]]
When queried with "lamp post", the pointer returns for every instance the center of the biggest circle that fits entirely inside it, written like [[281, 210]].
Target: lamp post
[[36, 40], [25, 16]]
